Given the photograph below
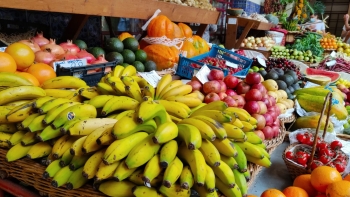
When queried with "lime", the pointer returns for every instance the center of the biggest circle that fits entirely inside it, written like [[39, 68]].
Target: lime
[[129, 56], [140, 55], [115, 56], [80, 43], [114, 45], [97, 51], [131, 43], [150, 65], [139, 66]]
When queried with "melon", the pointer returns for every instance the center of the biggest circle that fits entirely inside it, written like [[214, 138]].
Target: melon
[[318, 79], [317, 73]]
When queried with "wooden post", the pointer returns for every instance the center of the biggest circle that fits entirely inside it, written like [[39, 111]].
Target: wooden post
[[74, 26]]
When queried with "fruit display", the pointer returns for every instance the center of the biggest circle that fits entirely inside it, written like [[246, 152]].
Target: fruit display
[[329, 43], [125, 133], [255, 43], [217, 62], [294, 54]]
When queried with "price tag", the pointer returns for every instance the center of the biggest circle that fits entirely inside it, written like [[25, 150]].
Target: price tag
[[183, 53], [151, 77], [2, 49], [70, 63], [232, 21], [331, 63], [261, 61], [202, 74], [333, 54], [232, 65]]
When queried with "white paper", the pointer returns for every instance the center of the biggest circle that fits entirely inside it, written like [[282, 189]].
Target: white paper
[[151, 77], [70, 63], [2, 49], [232, 21], [202, 74], [288, 113], [333, 54], [232, 65], [261, 61], [331, 63]]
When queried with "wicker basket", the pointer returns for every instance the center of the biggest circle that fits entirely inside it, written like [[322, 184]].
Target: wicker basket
[[288, 119], [344, 137], [296, 169], [30, 173]]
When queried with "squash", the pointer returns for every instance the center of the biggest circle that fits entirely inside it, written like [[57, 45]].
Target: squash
[[176, 52], [162, 55], [189, 49], [161, 26], [178, 32], [186, 30], [124, 35], [200, 44]]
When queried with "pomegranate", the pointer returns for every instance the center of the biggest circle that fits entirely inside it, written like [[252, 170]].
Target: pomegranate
[[40, 39], [45, 57], [34, 46], [55, 49], [88, 56], [69, 46]]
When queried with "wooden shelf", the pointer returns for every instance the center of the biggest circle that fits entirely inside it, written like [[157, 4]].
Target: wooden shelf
[[142, 9]]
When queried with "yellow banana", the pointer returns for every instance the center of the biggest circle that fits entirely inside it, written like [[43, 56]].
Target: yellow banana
[[127, 126], [149, 90], [164, 81], [76, 111], [106, 137], [217, 127], [250, 149], [171, 85], [26, 122], [234, 133], [241, 182], [226, 190], [172, 172], [88, 92], [41, 101], [20, 93], [61, 177], [216, 105], [39, 150], [17, 152], [262, 145], [176, 109], [190, 135], [121, 114], [178, 91], [230, 161], [18, 103], [16, 138], [124, 188], [193, 109], [136, 178], [261, 162], [52, 169], [214, 114], [241, 159], [186, 178], [225, 147], [238, 123], [118, 87], [196, 161], [53, 113], [105, 89], [210, 153], [142, 152], [106, 171], [247, 126], [253, 138], [20, 112], [47, 106], [174, 190], [240, 113], [49, 133], [189, 101], [76, 180], [143, 191], [117, 71], [75, 97], [11, 80], [4, 137], [60, 82], [119, 103], [100, 100], [149, 109], [152, 170], [61, 145], [175, 119], [85, 127], [119, 149], [92, 164], [210, 179], [205, 130], [122, 172], [37, 124], [90, 144], [4, 110], [203, 192], [165, 132], [58, 93], [29, 139], [129, 71], [77, 146], [225, 174], [168, 153], [253, 121], [134, 93], [264, 151], [4, 144]]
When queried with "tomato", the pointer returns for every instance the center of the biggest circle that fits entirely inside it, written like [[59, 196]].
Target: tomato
[[315, 164], [325, 151], [309, 141], [289, 155], [302, 161], [322, 145], [301, 138], [335, 145], [325, 159], [339, 166]]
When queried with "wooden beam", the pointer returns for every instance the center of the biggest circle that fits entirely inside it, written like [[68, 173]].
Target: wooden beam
[[74, 26]]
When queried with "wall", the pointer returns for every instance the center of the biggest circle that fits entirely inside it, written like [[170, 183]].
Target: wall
[[249, 6]]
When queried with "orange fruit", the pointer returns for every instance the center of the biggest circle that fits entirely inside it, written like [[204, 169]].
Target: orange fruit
[[338, 189], [7, 63], [42, 72], [250, 195], [22, 54], [320, 195], [347, 177], [304, 182], [293, 191], [272, 193], [29, 77], [322, 176]]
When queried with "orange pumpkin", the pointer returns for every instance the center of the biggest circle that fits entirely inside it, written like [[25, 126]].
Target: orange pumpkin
[[161, 26], [176, 52], [186, 30], [200, 44], [178, 32], [162, 55], [190, 50]]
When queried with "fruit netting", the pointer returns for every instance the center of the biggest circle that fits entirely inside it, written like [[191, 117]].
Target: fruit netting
[[11, 38], [176, 42]]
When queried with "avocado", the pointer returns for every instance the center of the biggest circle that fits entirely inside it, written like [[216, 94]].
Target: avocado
[[80, 43], [293, 74], [272, 75], [263, 73], [97, 51], [288, 79], [140, 55], [279, 71], [129, 56], [281, 85], [150, 65], [131, 43], [114, 45], [115, 56], [296, 86], [287, 90], [139, 66]]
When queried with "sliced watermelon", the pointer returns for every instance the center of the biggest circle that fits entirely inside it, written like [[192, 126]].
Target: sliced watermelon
[[333, 75]]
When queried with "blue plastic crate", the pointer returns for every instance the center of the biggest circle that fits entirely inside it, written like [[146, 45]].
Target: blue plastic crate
[[184, 68]]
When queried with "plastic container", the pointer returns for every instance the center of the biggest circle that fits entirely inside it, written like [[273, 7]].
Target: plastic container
[[83, 72], [185, 69]]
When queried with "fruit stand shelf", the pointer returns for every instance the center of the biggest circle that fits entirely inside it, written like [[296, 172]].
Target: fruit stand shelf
[[142, 9], [233, 22]]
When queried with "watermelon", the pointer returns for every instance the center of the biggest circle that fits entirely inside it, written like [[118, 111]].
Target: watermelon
[[333, 75]]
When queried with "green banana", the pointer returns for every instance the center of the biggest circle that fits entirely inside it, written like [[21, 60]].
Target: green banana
[[61, 177], [52, 169], [76, 180]]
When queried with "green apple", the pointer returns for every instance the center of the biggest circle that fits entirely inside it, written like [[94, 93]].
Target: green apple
[[261, 68], [250, 70], [222, 46], [255, 68]]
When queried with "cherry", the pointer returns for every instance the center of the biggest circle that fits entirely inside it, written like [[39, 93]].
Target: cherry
[[289, 155], [336, 145]]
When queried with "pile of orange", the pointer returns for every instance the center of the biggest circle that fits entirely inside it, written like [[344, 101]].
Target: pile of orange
[[323, 181], [19, 58], [329, 43]]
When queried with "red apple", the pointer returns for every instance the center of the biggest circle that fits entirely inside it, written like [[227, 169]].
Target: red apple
[[276, 130], [223, 86], [269, 119], [253, 78], [272, 113], [260, 134], [277, 110], [196, 85], [231, 81], [211, 86], [268, 133], [253, 95], [242, 88], [216, 74], [240, 100], [252, 107], [261, 88], [276, 122], [267, 102], [194, 78], [263, 108], [211, 97], [272, 100], [261, 121], [230, 101], [230, 92], [222, 95]]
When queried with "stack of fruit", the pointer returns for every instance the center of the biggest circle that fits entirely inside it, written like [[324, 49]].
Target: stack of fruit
[[261, 99], [329, 43], [293, 54], [131, 134]]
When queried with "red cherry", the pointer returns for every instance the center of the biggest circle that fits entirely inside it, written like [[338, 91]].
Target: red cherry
[[289, 155], [336, 145]]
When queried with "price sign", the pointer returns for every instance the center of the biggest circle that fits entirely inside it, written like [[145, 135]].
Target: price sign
[[232, 65], [202, 74], [70, 63], [151, 77], [2, 49]]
